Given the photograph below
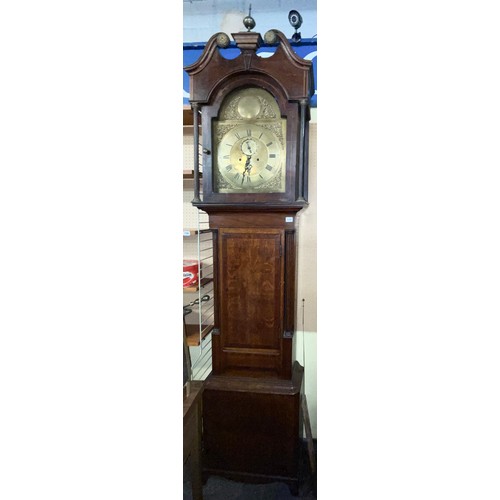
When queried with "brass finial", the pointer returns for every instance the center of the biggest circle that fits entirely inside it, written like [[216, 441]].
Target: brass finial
[[249, 21]]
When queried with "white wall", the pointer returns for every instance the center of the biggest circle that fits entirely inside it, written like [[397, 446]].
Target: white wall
[[306, 317]]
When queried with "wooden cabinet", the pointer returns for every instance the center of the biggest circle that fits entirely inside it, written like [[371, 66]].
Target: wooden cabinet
[[192, 439]]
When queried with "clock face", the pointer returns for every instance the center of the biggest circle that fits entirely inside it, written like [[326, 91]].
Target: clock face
[[249, 144], [249, 157]]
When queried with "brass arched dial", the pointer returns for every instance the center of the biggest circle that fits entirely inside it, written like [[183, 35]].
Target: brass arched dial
[[249, 157]]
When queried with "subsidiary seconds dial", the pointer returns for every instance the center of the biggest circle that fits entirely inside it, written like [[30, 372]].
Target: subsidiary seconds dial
[[249, 157]]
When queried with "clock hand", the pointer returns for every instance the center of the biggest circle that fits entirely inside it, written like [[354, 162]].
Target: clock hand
[[248, 167], [247, 164]]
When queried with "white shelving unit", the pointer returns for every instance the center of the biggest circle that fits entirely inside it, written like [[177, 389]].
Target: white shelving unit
[[198, 246]]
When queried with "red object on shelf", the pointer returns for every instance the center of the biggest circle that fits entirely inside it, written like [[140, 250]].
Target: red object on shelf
[[190, 273]]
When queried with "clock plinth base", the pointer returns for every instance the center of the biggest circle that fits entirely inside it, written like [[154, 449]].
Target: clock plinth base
[[252, 428]]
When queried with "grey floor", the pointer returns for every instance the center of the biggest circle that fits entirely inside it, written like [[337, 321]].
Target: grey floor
[[219, 488]]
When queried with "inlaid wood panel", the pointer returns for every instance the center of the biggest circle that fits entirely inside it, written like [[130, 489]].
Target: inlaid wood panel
[[251, 297]]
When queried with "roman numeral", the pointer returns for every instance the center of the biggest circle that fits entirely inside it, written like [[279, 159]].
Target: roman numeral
[[226, 157], [268, 144], [236, 176], [249, 132], [229, 167], [237, 135], [268, 167], [272, 155], [261, 134]]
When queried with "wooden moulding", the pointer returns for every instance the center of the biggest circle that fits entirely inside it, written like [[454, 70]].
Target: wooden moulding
[[258, 385], [205, 74], [284, 220]]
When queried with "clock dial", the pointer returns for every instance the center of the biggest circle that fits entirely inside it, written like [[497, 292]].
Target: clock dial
[[249, 158], [249, 144]]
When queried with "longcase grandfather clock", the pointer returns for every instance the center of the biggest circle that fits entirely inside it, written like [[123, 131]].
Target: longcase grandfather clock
[[254, 115]]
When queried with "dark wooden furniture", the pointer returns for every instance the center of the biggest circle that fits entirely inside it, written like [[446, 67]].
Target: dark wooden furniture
[[193, 433], [252, 400], [251, 431]]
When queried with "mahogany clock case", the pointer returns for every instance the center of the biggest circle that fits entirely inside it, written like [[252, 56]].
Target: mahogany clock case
[[252, 399], [285, 76]]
